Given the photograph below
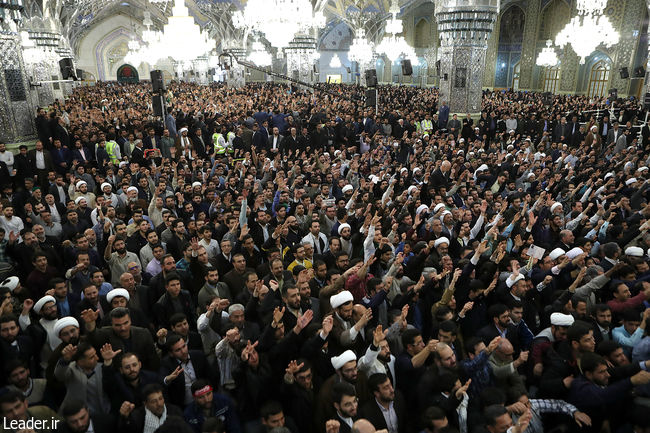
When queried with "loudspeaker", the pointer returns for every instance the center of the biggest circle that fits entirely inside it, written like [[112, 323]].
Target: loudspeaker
[[437, 68], [347, 68], [211, 71], [157, 81], [158, 105], [548, 98], [639, 72], [407, 69], [371, 77], [624, 73], [315, 68], [80, 74], [371, 97], [67, 68], [445, 77]]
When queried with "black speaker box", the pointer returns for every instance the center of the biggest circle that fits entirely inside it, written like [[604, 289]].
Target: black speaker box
[[624, 73], [407, 69], [159, 105], [157, 81], [67, 68], [613, 94], [371, 77], [639, 72]]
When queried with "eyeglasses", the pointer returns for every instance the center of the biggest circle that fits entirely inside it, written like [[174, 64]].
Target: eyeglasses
[[133, 268]]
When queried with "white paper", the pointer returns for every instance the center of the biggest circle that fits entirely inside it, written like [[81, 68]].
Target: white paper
[[536, 252]]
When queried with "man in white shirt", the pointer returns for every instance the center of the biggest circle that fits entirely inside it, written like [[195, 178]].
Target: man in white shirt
[[8, 158], [11, 223], [211, 246]]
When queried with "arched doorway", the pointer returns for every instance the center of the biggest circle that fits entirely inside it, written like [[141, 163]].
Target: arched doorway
[[422, 33], [599, 78], [551, 78], [515, 76], [511, 36]]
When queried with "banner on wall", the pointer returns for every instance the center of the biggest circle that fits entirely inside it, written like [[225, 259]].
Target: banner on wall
[[127, 74]]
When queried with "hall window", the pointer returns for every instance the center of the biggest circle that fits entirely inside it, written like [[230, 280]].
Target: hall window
[[551, 79], [599, 78]]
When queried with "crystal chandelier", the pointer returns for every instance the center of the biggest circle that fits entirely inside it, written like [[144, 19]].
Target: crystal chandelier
[[547, 57], [182, 38], [335, 62], [149, 49], [394, 46], [588, 29], [259, 55], [278, 20], [360, 49]]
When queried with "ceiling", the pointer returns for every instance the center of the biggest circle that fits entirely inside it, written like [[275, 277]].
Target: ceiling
[[78, 17]]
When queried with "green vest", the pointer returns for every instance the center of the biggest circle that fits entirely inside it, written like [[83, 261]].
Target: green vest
[[218, 147], [110, 149]]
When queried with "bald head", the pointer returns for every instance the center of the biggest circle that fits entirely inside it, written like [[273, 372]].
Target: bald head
[[445, 166], [505, 348], [363, 426]]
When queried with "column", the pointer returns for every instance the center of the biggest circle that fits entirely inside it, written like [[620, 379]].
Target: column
[[464, 32], [17, 108]]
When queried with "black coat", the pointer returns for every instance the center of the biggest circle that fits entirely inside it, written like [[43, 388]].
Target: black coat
[[176, 388], [140, 343], [135, 422], [371, 411], [101, 424], [164, 309], [118, 391]]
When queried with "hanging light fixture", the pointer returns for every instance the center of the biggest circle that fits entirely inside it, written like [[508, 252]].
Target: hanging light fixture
[[182, 38], [260, 56], [278, 20], [335, 62], [588, 29], [394, 46], [360, 49], [547, 57]]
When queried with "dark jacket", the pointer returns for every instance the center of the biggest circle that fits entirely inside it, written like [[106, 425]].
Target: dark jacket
[[176, 388], [119, 391], [101, 424], [222, 408], [373, 413], [164, 309], [140, 343], [135, 422]]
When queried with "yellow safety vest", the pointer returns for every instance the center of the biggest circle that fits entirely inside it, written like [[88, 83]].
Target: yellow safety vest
[[427, 125], [218, 148], [110, 149]]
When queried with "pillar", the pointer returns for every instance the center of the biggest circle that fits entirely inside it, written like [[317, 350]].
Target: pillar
[[300, 59], [464, 27], [17, 109]]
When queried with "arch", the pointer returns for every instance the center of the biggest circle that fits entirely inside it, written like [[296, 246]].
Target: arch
[[422, 33], [555, 15], [599, 77], [511, 29]]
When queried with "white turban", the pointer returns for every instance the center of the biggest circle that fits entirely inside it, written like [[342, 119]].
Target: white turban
[[344, 226], [342, 298], [132, 188], [634, 252], [195, 184], [183, 129], [511, 282], [63, 323], [574, 252], [608, 175], [10, 283], [444, 214], [555, 206], [342, 359], [81, 182], [556, 253], [78, 199], [421, 208], [630, 181], [559, 319], [347, 188], [442, 240], [437, 208], [117, 292], [412, 189], [106, 184], [41, 303]]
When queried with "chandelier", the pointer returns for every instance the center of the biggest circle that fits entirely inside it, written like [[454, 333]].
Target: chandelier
[[182, 38], [278, 20], [588, 29], [149, 48], [259, 55], [394, 46], [360, 49], [335, 62], [547, 57]]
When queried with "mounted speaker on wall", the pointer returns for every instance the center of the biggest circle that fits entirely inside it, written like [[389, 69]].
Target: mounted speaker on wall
[[157, 81], [407, 69], [624, 73], [371, 77]]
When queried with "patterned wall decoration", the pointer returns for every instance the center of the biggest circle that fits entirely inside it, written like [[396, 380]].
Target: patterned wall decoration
[[630, 20], [16, 122], [511, 33], [491, 56], [528, 45]]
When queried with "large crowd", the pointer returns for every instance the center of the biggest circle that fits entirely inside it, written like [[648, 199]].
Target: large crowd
[[270, 259]]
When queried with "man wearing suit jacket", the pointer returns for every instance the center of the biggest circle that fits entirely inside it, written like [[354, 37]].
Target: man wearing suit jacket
[[194, 366], [165, 307], [13, 345], [129, 383], [122, 336], [77, 419], [81, 154], [613, 134], [41, 163], [344, 399], [275, 141], [289, 144], [387, 410], [500, 325]]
